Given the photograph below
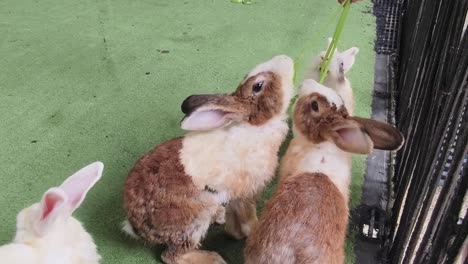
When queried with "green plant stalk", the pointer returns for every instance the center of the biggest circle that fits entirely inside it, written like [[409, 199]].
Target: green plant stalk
[[336, 36], [344, 8], [299, 58]]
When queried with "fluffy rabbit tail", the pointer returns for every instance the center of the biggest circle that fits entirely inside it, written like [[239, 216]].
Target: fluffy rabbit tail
[[127, 228]]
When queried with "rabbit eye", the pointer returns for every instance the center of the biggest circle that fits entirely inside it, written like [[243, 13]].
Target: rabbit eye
[[257, 87], [314, 106]]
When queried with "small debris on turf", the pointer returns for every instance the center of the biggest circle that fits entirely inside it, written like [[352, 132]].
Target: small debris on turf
[[34, 141], [245, 2], [147, 73]]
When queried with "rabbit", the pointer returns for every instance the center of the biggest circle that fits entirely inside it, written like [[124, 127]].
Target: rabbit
[[340, 64], [47, 233], [174, 191], [305, 221]]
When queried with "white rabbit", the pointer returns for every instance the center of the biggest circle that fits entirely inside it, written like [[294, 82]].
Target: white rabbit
[[340, 64], [305, 221], [47, 233]]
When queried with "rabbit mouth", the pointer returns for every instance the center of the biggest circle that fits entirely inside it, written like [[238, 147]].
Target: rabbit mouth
[[194, 102]]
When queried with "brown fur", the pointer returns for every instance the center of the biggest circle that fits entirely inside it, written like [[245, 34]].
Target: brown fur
[[241, 215], [264, 106], [305, 221], [380, 134], [318, 126], [311, 124], [316, 235], [241, 218], [169, 196], [161, 200], [256, 109]]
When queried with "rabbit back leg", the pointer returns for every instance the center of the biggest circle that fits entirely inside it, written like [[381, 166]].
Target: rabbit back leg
[[241, 217], [189, 241]]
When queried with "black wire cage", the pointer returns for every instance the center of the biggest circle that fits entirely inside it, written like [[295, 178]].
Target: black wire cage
[[427, 215]]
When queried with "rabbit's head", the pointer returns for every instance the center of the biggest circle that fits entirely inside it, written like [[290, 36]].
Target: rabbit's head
[[340, 63], [320, 116], [50, 219], [263, 94]]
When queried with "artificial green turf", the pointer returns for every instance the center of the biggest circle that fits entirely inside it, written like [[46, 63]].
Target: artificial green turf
[[103, 80]]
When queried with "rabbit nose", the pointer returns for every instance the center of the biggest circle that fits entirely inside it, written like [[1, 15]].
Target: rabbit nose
[[193, 102], [186, 105]]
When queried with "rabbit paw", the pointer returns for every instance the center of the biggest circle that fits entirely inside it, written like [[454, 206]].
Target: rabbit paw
[[220, 216], [201, 257]]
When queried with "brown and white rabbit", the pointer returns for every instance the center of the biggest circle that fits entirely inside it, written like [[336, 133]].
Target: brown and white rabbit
[[46, 232], [340, 64], [174, 191], [305, 221]]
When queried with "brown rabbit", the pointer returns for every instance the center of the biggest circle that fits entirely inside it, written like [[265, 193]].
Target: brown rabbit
[[305, 221], [175, 191]]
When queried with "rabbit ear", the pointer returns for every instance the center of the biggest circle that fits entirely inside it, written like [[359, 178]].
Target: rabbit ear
[[210, 111], [361, 135], [384, 136], [77, 186], [347, 58], [350, 137], [50, 207], [207, 120]]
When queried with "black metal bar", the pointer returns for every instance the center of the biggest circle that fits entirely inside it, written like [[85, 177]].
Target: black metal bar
[[460, 238], [417, 125], [431, 107], [429, 185], [449, 206]]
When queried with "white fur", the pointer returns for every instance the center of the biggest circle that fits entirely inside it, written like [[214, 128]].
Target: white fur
[[128, 229], [335, 79], [63, 240], [284, 66], [325, 158], [311, 86], [238, 159], [237, 155]]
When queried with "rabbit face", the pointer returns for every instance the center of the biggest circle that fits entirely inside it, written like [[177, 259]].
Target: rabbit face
[[318, 108], [340, 63], [28, 224], [47, 227], [320, 115], [263, 94], [62, 230]]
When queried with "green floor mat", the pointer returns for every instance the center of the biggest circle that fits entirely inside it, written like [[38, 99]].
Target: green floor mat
[[103, 80]]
